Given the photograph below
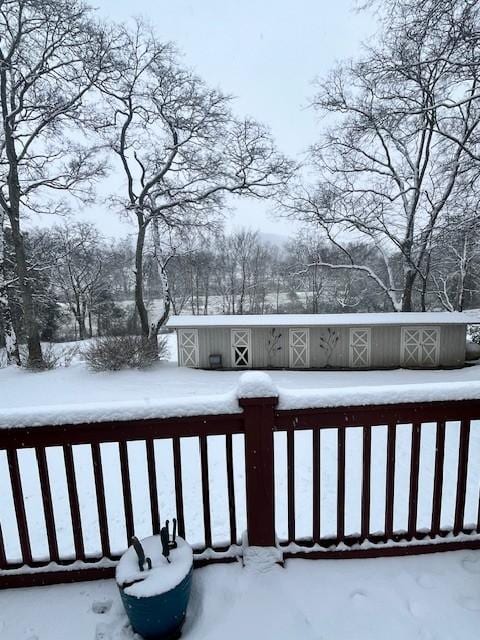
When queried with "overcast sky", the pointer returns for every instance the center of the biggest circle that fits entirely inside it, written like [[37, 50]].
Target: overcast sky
[[264, 52]]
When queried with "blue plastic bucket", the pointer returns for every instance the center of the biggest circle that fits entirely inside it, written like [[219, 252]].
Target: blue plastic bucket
[[159, 617]]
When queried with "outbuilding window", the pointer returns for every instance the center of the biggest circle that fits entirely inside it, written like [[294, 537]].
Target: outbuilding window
[[188, 347], [420, 346], [241, 348], [359, 352], [299, 348]]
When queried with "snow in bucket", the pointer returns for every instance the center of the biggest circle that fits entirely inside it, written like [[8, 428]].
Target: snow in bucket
[[162, 577]]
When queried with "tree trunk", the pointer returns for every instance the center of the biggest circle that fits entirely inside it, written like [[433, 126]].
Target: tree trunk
[[139, 301], [424, 295], [207, 293], [80, 319], [35, 357], [154, 327], [11, 344], [407, 302]]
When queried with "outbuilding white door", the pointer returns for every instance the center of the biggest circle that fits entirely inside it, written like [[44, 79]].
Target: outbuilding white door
[[299, 348], [360, 340], [420, 346], [241, 348], [188, 347]]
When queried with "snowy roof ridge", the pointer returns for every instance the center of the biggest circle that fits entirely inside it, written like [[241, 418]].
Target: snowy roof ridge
[[327, 319]]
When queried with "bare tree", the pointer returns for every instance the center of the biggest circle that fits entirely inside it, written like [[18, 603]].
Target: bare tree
[[180, 148], [51, 55], [78, 269], [454, 262], [403, 141]]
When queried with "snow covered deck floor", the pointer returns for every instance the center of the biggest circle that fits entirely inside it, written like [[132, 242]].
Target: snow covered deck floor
[[433, 597]]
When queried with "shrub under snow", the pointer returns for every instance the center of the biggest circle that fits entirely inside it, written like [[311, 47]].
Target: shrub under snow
[[123, 352]]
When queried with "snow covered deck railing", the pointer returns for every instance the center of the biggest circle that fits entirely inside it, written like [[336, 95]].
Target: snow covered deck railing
[[366, 480]]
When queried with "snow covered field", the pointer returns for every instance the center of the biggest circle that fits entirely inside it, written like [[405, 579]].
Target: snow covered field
[[434, 597], [75, 393]]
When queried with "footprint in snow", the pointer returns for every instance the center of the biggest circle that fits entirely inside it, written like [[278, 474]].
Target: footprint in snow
[[470, 604], [425, 580], [415, 609], [471, 563], [101, 606], [358, 597]]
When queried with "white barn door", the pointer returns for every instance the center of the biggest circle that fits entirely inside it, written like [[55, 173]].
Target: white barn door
[[299, 348], [188, 347], [241, 342], [420, 346], [359, 352]]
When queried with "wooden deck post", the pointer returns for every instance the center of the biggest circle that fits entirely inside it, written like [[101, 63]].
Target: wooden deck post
[[260, 484]]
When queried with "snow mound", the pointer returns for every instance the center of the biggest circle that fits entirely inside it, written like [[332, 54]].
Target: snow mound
[[256, 384], [163, 575], [262, 559]]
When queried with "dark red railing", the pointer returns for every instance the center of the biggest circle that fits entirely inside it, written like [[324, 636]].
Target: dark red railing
[[392, 418], [258, 421]]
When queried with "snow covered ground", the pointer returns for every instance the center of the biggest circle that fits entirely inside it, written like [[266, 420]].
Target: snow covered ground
[[434, 597], [76, 393]]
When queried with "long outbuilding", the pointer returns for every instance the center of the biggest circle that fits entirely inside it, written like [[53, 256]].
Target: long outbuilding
[[323, 341]]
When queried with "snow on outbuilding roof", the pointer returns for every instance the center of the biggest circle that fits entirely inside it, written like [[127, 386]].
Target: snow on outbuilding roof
[[326, 319]]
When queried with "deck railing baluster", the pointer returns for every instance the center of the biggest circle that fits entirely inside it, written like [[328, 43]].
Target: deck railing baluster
[[390, 480], [47, 503], [464, 441], [100, 495], [19, 505], [127, 491], [3, 555], [341, 433], [366, 477], [152, 482], [74, 503], [291, 484], [205, 491], [438, 478], [316, 477], [177, 466], [414, 474], [231, 490]]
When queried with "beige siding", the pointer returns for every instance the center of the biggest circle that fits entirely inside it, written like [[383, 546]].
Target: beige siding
[[452, 345], [385, 346], [214, 341]]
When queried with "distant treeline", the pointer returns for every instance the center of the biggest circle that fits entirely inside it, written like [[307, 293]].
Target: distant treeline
[[84, 284]]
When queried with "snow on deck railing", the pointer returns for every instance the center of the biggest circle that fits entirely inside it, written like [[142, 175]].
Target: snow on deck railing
[[251, 384], [383, 394]]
